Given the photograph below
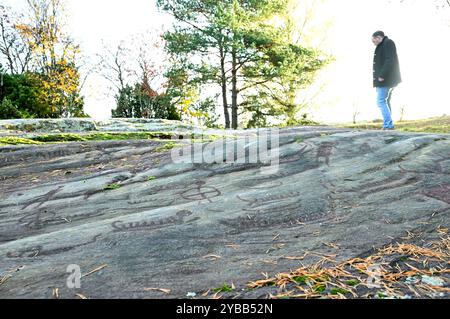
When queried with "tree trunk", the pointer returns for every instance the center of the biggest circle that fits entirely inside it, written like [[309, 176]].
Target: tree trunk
[[291, 108], [224, 89], [234, 92]]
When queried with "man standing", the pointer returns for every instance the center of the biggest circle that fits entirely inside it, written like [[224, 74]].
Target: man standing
[[386, 74]]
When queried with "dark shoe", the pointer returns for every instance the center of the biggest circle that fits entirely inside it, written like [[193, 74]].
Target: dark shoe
[[388, 129]]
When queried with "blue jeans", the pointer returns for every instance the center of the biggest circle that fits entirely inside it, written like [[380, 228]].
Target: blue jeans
[[384, 94]]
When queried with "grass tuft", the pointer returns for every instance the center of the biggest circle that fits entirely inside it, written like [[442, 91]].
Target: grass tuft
[[224, 288], [111, 187]]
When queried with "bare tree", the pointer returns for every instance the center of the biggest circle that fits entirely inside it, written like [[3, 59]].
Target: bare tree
[[46, 36], [113, 65], [140, 59], [14, 50], [150, 60]]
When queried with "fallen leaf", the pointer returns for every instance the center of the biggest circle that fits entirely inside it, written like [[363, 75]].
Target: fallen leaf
[[55, 293], [166, 291], [206, 293], [95, 270]]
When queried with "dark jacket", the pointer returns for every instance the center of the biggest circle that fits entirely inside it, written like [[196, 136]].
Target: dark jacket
[[386, 64]]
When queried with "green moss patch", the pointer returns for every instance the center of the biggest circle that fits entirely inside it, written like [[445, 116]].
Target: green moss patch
[[109, 136], [338, 291], [167, 147], [111, 187], [224, 288], [11, 140], [352, 282]]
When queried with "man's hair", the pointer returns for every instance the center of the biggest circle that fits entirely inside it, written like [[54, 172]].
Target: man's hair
[[378, 34]]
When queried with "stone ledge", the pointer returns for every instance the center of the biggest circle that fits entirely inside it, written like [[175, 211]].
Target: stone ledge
[[88, 125]]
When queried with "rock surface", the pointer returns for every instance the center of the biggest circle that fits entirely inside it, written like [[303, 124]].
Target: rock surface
[[7, 127], [147, 222]]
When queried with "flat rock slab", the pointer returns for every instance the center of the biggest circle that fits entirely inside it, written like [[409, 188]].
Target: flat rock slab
[[21, 126], [127, 211]]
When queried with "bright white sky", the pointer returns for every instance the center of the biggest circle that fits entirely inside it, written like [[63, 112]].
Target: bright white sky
[[420, 33], [422, 42]]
